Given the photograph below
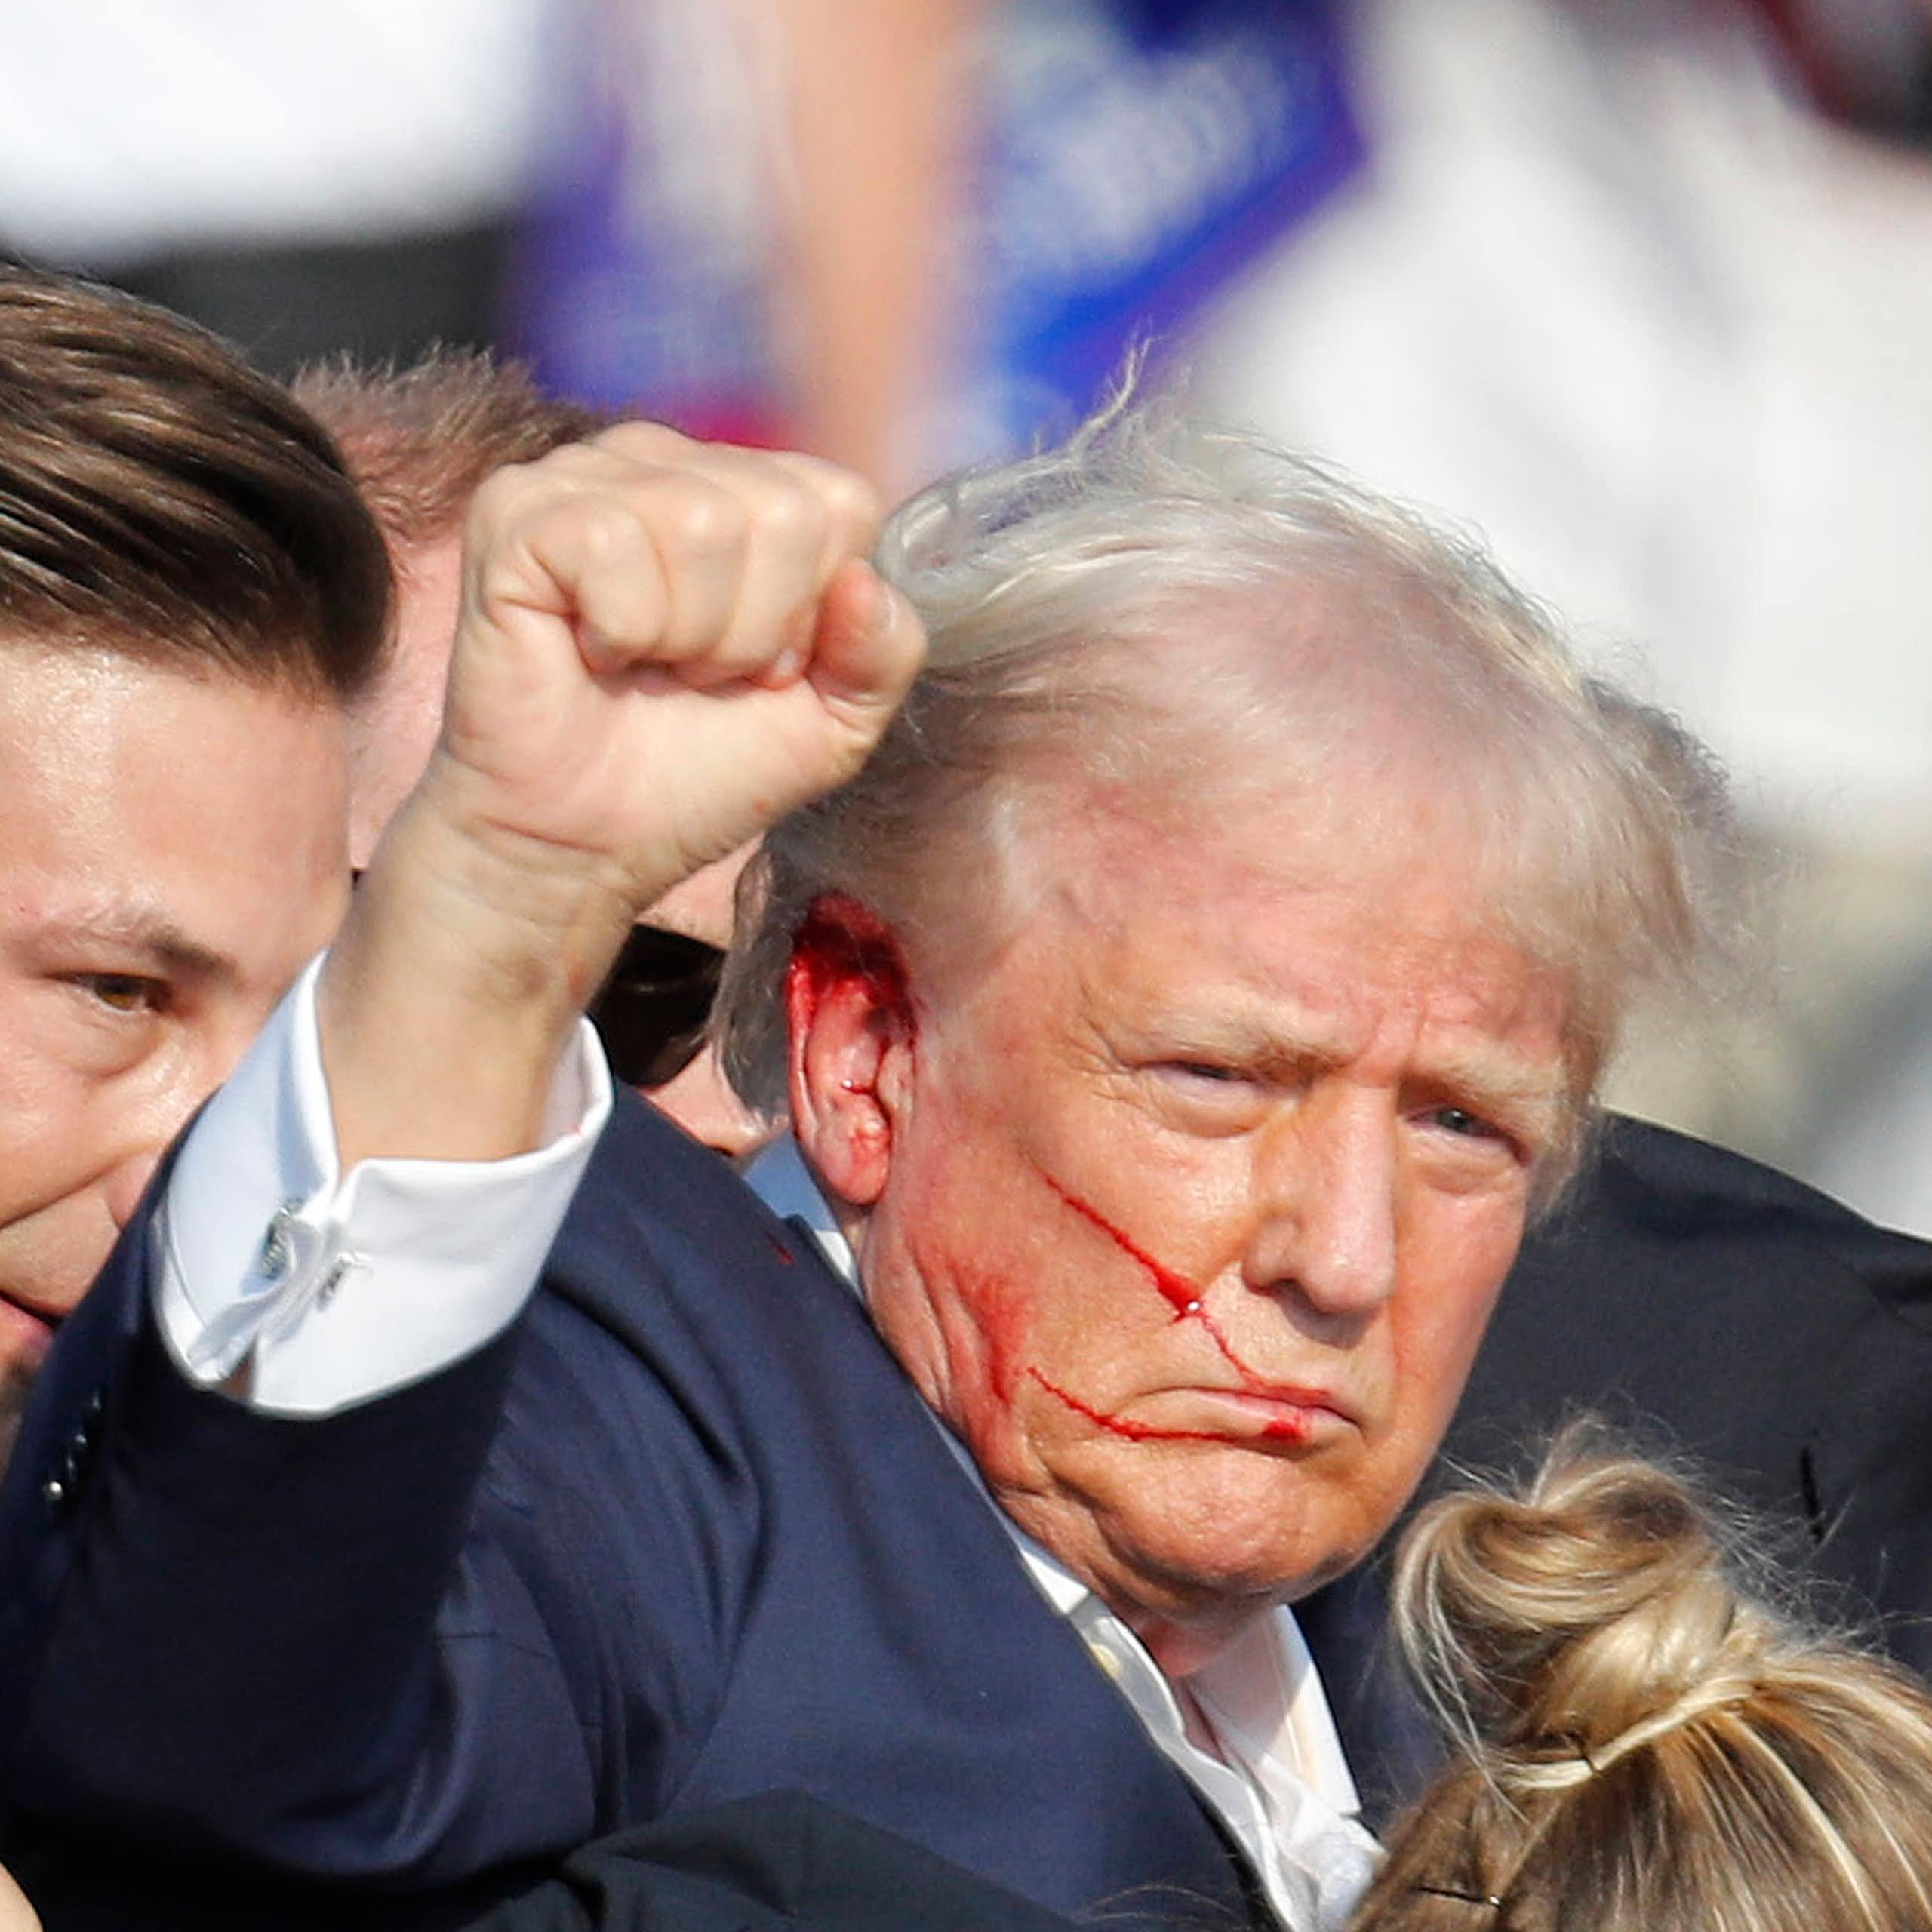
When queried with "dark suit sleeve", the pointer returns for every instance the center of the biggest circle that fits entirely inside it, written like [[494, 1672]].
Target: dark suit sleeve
[[1870, 1463], [306, 1642], [780, 1862]]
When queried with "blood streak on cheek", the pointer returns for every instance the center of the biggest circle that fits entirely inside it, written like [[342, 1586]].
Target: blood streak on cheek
[[997, 1315], [1180, 1294], [1134, 1431]]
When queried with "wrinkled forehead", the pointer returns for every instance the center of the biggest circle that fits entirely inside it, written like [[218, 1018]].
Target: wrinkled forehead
[[1423, 867]]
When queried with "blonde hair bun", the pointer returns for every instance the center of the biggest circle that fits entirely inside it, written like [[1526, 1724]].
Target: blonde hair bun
[[1644, 1741], [1563, 1625]]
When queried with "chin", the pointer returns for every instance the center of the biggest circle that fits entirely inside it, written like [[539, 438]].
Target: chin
[[1226, 1561], [1231, 1539]]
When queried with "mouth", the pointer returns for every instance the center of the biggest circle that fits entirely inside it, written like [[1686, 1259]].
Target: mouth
[[1280, 1412], [1283, 1412]]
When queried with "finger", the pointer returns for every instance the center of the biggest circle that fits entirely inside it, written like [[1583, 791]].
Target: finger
[[785, 565], [741, 544], [745, 541], [697, 528], [703, 534], [867, 648], [805, 517], [854, 505], [854, 509], [639, 440], [589, 559]]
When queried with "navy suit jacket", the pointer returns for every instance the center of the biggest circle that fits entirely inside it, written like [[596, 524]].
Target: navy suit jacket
[[685, 1533], [1713, 1309], [782, 1863]]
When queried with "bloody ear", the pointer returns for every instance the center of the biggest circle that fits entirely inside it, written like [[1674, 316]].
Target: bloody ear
[[848, 999]]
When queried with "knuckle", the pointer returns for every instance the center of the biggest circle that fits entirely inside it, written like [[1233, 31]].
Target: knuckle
[[601, 530], [848, 498], [789, 515], [641, 440], [497, 497], [854, 501], [699, 517]]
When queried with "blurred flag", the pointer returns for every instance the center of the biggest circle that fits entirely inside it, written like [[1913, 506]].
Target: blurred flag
[[1130, 157]]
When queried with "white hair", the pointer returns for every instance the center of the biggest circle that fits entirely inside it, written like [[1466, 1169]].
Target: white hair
[[1169, 612]]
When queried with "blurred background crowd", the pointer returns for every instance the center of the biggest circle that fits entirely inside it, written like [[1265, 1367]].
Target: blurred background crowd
[[1639, 289]]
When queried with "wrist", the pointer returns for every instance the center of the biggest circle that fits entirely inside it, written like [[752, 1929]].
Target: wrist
[[455, 987]]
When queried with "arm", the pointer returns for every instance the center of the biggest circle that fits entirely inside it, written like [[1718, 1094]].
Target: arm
[[662, 646], [662, 649]]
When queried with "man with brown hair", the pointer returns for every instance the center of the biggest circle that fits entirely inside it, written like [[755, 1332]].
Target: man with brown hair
[[191, 592]]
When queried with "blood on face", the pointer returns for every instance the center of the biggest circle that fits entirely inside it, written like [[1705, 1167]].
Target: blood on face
[[1188, 1301]]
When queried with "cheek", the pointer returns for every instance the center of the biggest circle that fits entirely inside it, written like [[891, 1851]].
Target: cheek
[[976, 1278], [1437, 1324], [48, 1136]]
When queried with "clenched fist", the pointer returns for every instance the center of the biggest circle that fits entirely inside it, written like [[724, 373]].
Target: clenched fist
[[663, 647]]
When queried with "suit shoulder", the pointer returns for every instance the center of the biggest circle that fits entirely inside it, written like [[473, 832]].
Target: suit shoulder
[[1652, 1198]]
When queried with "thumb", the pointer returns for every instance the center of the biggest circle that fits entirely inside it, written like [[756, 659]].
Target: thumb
[[867, 646]]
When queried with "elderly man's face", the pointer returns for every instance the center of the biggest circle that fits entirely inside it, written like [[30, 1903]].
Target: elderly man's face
[[1186, 1214]]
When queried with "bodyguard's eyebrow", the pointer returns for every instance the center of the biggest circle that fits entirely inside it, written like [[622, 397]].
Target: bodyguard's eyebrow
[[143, 934]]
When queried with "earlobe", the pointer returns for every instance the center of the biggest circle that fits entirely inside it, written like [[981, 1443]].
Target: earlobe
[[848, 1003]]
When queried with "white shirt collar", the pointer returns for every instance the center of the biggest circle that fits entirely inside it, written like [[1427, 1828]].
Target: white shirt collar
[[1273, 1768]]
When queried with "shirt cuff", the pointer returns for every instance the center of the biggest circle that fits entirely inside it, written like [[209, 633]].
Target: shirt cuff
[[337, 1289]]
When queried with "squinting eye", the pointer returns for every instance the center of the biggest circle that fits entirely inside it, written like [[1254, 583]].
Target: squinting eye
[[1459, 1120], [122, 992]]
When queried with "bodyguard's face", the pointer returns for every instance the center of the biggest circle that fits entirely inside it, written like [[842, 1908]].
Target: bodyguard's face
[[171, 852], [1185, 1214]]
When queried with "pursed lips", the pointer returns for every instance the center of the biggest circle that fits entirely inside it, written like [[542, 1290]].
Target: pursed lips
[[1263, 1396]]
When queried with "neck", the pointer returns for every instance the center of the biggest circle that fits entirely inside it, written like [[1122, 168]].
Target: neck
[[1181, 1649]]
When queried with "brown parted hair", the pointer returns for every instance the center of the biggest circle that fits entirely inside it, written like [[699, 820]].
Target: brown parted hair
[[1642, 1741], [420, 438], [161, 500]]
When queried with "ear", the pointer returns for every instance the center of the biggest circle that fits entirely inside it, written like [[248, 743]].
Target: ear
[[849, 1001]]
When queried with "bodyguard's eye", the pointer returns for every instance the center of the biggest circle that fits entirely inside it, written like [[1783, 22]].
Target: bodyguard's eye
[[122, 992]]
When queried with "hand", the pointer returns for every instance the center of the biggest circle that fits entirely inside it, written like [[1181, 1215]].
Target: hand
[[664, 645]]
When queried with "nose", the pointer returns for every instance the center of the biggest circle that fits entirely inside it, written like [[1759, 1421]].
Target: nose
[[1325, 1184]]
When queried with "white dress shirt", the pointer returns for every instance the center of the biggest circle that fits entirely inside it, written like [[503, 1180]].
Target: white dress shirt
[[338, 1289]]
